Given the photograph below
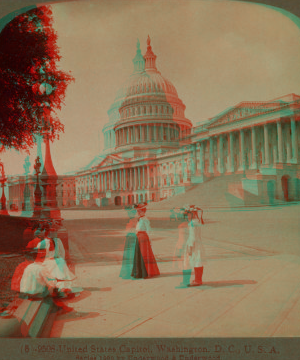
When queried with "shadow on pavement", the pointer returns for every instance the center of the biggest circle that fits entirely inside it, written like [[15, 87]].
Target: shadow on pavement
[[217, 284]]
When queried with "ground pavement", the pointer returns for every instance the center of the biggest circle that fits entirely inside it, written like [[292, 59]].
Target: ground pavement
[[251, 279]]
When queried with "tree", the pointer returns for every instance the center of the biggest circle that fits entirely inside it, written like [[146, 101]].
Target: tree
[[31, 85]]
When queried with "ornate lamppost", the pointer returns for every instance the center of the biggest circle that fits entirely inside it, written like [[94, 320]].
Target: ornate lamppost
[[3, 197], [26, 193], [50, 212], [37, 192]]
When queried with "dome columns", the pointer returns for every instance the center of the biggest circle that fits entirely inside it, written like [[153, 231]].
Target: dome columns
[[145, 133]]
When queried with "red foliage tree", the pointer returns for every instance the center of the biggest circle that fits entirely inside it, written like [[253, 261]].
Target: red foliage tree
[[28, 61]]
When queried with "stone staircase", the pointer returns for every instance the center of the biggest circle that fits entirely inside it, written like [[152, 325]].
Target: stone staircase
[[219, 192]]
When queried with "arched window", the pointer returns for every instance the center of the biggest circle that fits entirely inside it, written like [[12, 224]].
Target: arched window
[[162, 109], [156, 109], [144, 109], [150, 110], [133, 111], [138, 110]]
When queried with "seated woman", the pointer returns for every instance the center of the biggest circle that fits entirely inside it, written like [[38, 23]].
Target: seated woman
[[144, 263], [54, 261], [31, 278]]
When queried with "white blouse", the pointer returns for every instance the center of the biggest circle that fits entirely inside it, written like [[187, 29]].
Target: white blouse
[[143, 224]]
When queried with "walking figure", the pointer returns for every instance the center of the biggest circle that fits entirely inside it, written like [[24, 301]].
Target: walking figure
[[194, 253], [144, 263]]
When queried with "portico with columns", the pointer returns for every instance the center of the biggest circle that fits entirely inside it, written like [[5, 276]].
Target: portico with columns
[[152, 152]]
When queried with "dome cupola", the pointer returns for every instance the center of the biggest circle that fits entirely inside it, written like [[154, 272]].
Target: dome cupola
[[147, 115], [150, 57]]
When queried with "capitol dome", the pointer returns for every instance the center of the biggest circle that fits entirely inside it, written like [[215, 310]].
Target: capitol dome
[[146, 110]]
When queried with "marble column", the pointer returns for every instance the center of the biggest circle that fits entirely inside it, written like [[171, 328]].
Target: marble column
[[220, 154], [279, 141], [254, 154], [195, 158], [211, 156], [133, 179], [143, 177], [124, 180], [266, 142], [148, 177], [139, 178], [294, 159], [130, 179], [113, 180], [242, 150], [288, 145], [230, 153], [202, 160]]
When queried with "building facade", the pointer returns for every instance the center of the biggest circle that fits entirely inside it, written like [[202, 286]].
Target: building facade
[[153, 152]]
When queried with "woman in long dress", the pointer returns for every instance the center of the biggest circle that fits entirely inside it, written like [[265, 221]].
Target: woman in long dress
[[129, 246], [178, 257], [194, 254], [144, 263]]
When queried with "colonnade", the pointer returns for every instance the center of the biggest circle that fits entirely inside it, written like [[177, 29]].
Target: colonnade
[[249, 148], [234, 151], [149, 133], [129, 179]]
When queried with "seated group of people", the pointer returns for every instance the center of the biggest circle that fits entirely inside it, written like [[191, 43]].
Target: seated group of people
[[44, 272]]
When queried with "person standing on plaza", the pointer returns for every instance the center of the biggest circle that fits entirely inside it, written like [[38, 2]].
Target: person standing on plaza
[[178, 257], [144, 263], [194, 254], [129, 246]]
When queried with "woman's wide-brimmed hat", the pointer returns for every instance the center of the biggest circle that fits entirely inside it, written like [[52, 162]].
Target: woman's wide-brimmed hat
[[192, 208], [140, 206]]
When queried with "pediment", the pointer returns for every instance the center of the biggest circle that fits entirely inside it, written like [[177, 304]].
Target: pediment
[[111, 160], [245, 110]]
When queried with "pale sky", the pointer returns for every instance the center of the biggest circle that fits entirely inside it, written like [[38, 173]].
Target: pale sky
[[216, 53]]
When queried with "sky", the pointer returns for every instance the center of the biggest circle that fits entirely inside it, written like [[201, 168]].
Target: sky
[[216, 53]]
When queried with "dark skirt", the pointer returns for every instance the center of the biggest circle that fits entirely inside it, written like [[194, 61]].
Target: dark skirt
[[144, 263], [128, 256]]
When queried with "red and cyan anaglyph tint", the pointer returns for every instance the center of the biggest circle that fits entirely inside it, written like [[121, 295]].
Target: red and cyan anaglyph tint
[[152, 220]]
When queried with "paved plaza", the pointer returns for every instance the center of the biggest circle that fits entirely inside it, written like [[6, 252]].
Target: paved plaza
[[251, 279]]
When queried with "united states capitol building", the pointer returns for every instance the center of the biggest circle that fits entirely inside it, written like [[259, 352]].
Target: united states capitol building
[[153, 152]]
